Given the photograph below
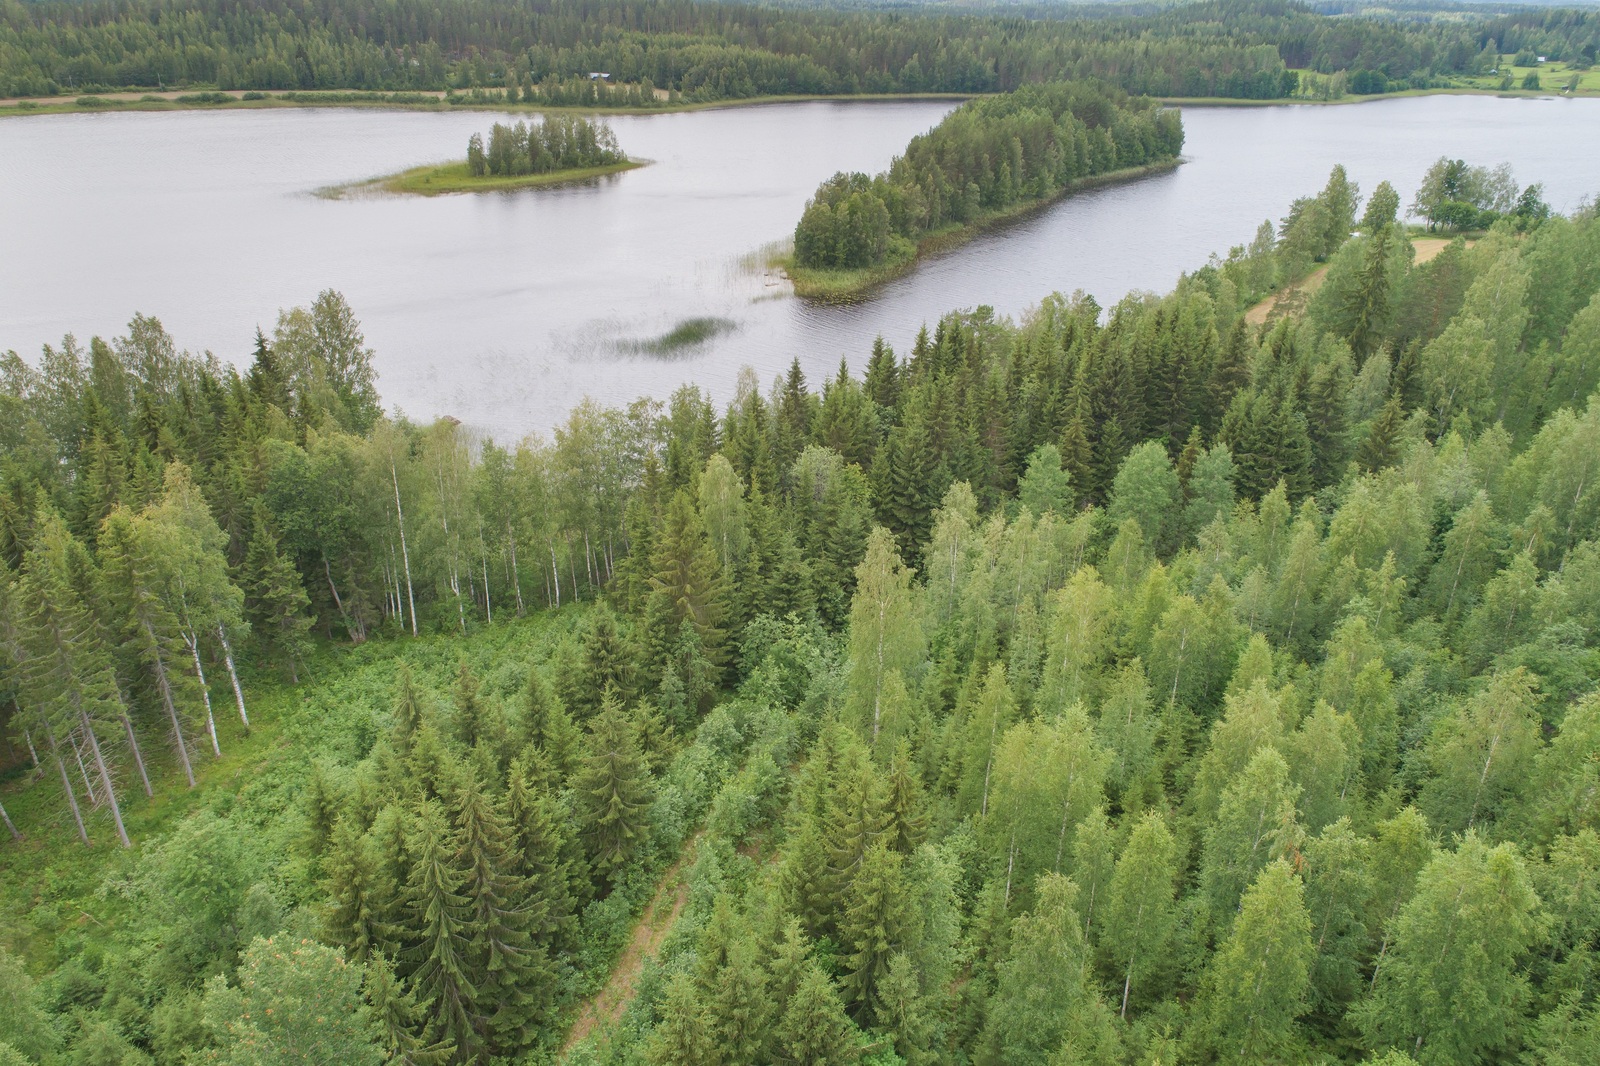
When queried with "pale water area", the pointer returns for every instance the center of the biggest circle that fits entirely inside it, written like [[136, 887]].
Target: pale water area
[[506, 309]]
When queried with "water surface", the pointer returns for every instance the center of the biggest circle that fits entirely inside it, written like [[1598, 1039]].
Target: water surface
[[506, 309]]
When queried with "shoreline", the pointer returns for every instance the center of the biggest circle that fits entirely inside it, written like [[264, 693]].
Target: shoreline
[[171, 100], [849, 286], [446, 179]]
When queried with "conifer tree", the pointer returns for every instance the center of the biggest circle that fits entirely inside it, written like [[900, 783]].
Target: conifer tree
[[400, 1019], [686, 584], [814, 1030], [511, 973], [546, 725], [277, 601], [685, 1032], [354, 918], [876, 925], [544, 857], [440, 931], [613, 791]]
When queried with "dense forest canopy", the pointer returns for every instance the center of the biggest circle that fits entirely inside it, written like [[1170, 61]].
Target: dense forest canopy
[[1120, 685], [987, 156], [1229, 48]]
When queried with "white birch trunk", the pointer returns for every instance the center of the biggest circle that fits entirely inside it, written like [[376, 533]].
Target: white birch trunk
[[191, 639], [233, 675], [405, 555], [66, 786]]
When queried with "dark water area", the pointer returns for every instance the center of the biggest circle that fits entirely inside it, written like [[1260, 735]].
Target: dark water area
[[507, 309]]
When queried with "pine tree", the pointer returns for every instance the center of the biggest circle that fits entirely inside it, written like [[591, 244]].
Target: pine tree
[[613, 792]]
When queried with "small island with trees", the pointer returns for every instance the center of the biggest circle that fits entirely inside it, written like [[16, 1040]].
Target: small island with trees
[[990, 160], [557, 150]]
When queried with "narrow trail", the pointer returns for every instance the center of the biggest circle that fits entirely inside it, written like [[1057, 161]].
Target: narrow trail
[[1294, 296], [605, 1007]]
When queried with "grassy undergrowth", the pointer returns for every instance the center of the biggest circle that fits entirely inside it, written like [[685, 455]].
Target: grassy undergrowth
[[53, 890], [455, 177]]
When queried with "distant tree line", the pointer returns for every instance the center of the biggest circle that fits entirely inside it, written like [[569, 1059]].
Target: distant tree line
[[987, 155], [1249, 49], [558, 142]]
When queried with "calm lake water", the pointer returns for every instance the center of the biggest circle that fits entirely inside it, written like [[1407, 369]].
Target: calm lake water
[[506, 309]]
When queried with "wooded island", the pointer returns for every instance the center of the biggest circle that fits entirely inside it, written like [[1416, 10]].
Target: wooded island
[[558, 149], [989, 160]]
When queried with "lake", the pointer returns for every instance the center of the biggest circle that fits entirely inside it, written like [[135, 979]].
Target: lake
[[506, 309]]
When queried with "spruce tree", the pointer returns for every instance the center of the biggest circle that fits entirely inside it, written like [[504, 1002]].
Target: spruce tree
[[512, 973], [613, 792], [400, 1019], [439, 934], [876, 925], [814, 1030], [276, 601]]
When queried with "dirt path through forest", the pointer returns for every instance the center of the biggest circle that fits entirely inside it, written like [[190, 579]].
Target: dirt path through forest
[[660, 915], [1427, 248]]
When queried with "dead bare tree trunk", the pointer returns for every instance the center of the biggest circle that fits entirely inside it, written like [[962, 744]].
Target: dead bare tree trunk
[[164, 685], [66, 785], [9, 824], [138, 756], [105, 776]]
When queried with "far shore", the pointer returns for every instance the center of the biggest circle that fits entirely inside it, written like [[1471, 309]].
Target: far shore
[[439, 100]]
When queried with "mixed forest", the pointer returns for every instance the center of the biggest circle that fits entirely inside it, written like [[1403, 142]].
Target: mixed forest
[[987, 157], [1243, 49], [1120, 685]]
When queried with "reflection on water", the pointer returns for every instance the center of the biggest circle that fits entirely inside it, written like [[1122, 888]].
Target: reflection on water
[[505, 309]]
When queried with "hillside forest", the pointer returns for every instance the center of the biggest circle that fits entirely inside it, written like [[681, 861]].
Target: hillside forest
[[1120, 685]]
